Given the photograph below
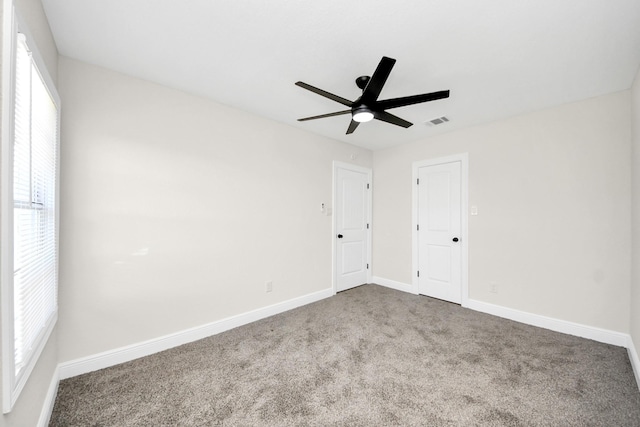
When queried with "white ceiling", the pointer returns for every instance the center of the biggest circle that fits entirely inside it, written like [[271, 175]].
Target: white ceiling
[[499, 58]]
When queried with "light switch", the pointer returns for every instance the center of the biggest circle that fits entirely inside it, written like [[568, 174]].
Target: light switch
[[474, 210]]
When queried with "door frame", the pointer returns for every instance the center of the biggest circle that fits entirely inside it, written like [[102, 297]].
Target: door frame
[[463, 158], [334, 252]]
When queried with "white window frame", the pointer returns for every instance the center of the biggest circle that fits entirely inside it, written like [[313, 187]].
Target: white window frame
[[13, 384]]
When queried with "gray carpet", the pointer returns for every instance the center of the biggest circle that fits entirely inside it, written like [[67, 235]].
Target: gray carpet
[[370, 356]]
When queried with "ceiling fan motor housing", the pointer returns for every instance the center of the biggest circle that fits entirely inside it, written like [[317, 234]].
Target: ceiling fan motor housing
[[362, 81]]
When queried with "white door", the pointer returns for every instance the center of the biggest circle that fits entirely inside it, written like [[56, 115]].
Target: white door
[[352, 209], [439, 226]]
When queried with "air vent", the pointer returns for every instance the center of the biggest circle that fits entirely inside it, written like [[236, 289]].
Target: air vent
[[437, 121]]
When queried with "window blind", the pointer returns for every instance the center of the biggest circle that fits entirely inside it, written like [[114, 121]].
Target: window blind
[[35, 254]]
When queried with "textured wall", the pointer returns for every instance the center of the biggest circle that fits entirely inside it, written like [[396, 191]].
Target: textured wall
[[552, 190]]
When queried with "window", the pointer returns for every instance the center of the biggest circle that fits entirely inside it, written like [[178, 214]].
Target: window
[[29, 212]]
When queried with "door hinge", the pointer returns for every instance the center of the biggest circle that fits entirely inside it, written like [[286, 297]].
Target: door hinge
[[367, 226], [418, 227], [367, 266], [367, 185], [418, 273], [418, 181]]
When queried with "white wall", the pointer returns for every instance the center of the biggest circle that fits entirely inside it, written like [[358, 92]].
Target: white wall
[[26, 411], [32, 12], [635, 212], [28, 408], [176, 210], [552, 190]]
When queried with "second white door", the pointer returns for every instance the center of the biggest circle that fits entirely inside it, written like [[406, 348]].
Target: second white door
[[439, 231], [352, 210]]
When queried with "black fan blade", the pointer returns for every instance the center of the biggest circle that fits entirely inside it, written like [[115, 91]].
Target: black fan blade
[[352, 126], [377, 81], [409, 100], [390, 118], [326, 94], [322, 116]]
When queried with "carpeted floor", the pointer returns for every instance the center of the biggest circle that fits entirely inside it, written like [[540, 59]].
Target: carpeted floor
[[370, 356]]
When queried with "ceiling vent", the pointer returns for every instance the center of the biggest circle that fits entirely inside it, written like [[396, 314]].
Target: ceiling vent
[[437, 121]]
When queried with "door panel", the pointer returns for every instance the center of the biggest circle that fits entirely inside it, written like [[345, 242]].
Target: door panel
[[352, 211], [439, 263], [439, 222], [353, 201], [352, 257], [438, 203]]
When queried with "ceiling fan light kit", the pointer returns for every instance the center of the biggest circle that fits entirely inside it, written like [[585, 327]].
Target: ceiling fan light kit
[[362, 114], [367, 107]]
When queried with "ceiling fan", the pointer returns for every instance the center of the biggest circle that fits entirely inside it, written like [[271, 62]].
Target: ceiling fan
[[367, 107]]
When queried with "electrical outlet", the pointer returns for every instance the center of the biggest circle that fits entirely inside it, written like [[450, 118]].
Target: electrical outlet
[[493, 287], [269, 286]]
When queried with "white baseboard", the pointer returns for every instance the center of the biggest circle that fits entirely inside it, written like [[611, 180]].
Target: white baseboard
[[398, 286], [571, 328], [635, 362], [49, 400], [125, 354], [591, 332], [146, 348]]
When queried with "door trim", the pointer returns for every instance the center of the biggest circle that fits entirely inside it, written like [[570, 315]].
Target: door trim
[[334, 253], [463, 158]]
